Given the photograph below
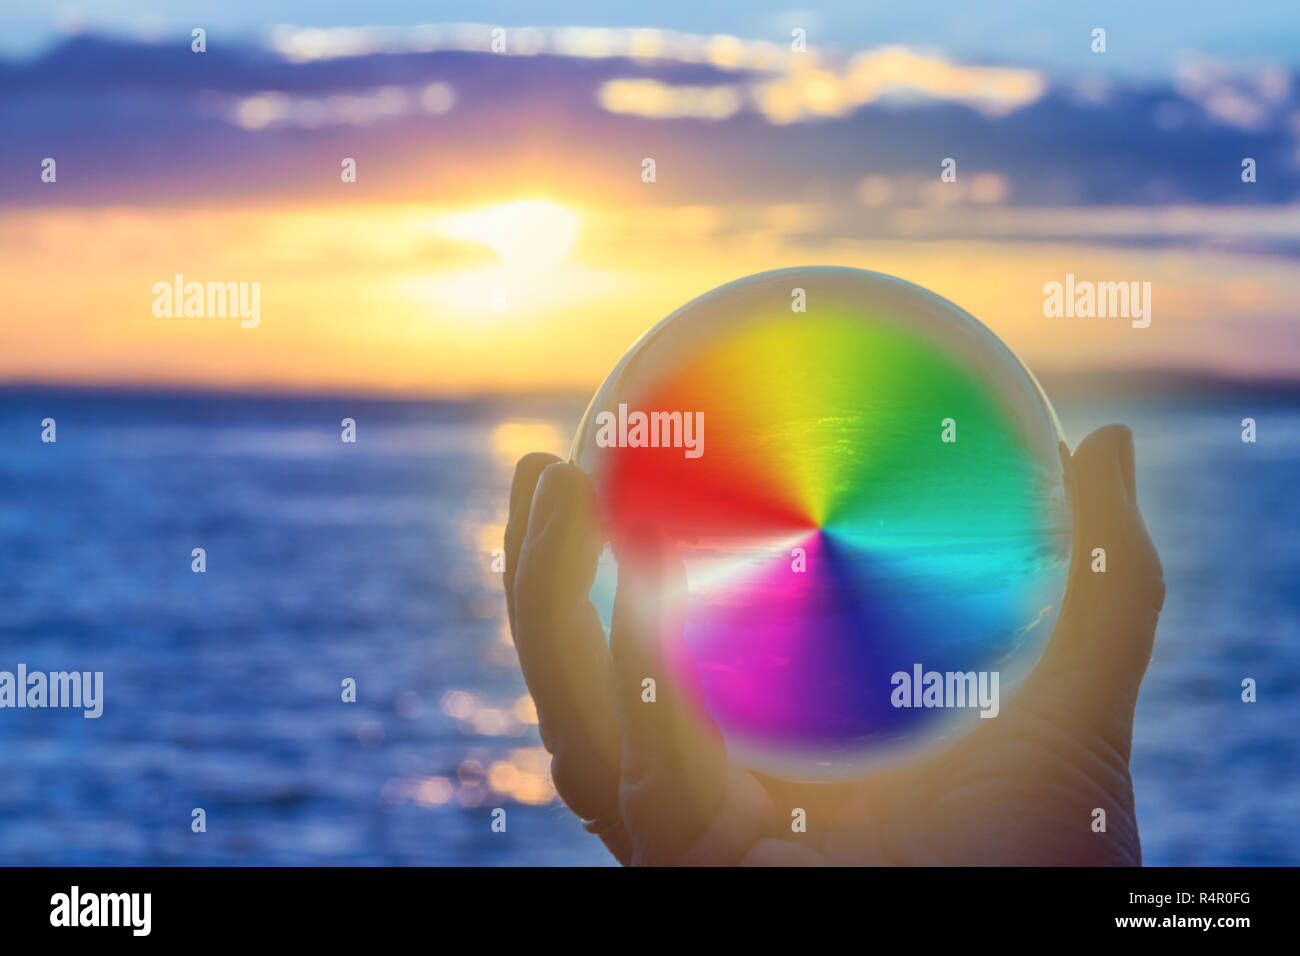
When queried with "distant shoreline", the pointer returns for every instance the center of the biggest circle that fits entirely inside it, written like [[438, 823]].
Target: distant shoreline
[[1112, 385]]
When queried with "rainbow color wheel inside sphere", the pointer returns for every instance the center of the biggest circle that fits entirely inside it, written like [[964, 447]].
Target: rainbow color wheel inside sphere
[[869, 487]]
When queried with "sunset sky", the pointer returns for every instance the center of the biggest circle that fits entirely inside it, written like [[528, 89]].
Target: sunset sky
[[484, 175]]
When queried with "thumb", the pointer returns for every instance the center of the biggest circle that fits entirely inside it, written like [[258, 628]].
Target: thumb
[[1105, 634], [674, 764]]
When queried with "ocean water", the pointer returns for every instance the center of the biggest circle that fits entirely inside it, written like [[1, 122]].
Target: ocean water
[[373, 561]]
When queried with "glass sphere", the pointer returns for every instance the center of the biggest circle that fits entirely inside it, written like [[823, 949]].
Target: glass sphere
[[866, 490]]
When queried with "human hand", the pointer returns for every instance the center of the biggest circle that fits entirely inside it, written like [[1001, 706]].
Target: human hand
[[655, 783]]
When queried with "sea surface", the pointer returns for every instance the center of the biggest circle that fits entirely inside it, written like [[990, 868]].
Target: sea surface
[[372, 561]]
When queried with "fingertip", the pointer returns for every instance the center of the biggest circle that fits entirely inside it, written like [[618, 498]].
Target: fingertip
[[523, 488], [527, 472], [562, 489], [1104, 461], [1104, 441]]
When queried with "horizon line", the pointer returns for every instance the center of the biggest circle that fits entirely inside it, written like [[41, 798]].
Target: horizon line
[[1135, 380]]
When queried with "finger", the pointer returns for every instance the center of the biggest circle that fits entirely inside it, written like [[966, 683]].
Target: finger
[[561, 642], [1107, 626], [527, 472], [1113, 610], [674, 764]]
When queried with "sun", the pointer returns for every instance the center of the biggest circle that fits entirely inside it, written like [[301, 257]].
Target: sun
[[528, 234]]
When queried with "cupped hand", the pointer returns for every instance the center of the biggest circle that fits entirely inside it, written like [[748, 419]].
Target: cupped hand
[[654, 782]]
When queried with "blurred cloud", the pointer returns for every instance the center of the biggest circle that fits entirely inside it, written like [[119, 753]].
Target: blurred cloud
[[264, 110], [897, 74], [660, 101], [788, 85], [1247, 97], [641, 43], [878, 124]]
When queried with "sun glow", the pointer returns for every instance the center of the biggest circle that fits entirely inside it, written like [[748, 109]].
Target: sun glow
[[529, 234]]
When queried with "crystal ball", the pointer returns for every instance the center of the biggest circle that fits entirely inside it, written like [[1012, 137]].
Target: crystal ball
[[866, 490]]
